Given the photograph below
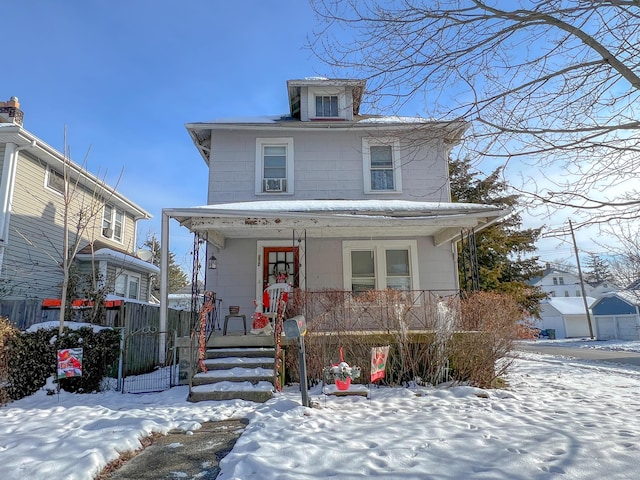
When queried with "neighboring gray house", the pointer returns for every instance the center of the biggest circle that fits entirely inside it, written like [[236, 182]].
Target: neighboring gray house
[[617, 315], [31, 220], [332, 198]]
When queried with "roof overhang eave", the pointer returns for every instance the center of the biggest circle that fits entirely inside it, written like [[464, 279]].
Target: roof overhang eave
[[228, 223]]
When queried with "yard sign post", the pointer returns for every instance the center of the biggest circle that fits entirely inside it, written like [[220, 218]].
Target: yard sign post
[[296, 327]]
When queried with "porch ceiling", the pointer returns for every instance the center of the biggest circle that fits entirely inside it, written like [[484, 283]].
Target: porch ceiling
[[335, 218]]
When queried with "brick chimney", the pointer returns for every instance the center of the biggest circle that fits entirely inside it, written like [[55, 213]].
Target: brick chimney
[[10, 111]]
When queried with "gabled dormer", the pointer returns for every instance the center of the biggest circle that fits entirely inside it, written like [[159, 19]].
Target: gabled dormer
[[323, 99]]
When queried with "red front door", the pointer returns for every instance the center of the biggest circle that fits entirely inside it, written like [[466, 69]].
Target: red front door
[[280, 263]]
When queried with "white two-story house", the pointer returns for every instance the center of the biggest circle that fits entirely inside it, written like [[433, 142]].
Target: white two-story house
[[32, 211], [333, 198]]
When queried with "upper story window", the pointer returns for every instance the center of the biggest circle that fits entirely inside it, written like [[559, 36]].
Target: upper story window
[[274, 165], [377, 265], [55, 181], [381, 165], [112, 223], [561, 280], [127, 285], [555, 280], [327, 106], [326, 103]]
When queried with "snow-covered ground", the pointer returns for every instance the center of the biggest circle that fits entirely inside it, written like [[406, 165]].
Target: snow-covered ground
[[559, 418]]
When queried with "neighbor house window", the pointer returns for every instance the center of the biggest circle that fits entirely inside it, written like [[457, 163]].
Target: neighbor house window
[[127, 285], [381, 165], [112, 223], [274, 165], [380, 264], [327, 106], [55, 181], [555, 280]]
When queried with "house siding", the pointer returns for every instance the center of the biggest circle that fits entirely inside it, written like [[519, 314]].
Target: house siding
[[32, 257], [328, 165], [436, 269], [613, 306], [31, 264], [2, 151]]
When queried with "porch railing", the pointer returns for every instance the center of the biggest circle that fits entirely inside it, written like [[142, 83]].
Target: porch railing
[[379, 310]]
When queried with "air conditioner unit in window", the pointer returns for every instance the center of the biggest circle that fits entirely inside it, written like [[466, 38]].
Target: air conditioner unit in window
[[275, 184], [107, 232]]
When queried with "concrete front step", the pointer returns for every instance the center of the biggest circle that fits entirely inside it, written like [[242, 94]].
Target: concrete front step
[[221, 341], [260, 392], [232, 362], [236, 374], [240, 352]]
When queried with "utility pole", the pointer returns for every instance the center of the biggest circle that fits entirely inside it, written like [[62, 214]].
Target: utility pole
[[584, 296]]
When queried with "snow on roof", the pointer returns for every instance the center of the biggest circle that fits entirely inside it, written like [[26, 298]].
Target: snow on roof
[[395, 119], [632, 297], [272, 119], [72, 325], [354, 207], [570, 305], [120, 258]]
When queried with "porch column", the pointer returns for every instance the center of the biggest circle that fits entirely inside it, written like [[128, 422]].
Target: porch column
[[164, 274]]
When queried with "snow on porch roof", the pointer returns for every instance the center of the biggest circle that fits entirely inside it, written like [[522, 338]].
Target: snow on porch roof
[[336, 218], [387, 208]]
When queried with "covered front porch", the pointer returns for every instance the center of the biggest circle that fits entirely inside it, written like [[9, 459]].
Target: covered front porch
[[323, 245], [360, 265]]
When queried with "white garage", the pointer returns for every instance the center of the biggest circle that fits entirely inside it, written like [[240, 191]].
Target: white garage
[[566, 315]]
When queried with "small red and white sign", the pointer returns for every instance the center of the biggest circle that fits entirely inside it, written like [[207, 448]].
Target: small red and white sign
[[379, 356]]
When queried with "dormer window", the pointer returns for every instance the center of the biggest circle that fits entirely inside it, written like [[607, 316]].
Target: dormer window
[[327, 103], [327, 106]]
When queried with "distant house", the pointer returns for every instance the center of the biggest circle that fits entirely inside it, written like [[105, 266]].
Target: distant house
[[558, 282], [184, 299], [566, 315], [329, 197], [31, 221], [617, 315]]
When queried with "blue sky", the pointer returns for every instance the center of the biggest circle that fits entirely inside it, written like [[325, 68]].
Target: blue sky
[[125, 76]]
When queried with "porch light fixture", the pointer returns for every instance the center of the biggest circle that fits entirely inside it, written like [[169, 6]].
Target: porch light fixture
[[212, 263]]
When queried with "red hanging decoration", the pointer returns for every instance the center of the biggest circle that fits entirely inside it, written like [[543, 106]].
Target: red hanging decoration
[[202, 348]]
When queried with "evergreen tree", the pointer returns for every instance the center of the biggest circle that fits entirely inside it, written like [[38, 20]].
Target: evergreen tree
[[501, 246], [176, 278], [597, 269]]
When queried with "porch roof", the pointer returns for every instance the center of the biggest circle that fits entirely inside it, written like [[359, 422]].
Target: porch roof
[[336, 218]]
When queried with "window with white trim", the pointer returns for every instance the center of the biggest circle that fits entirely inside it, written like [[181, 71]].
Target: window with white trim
[[326, 102], [327, 106], [380, 264], [112, 223], [55, 181], [381, 165], [274, 165], [127, 285]]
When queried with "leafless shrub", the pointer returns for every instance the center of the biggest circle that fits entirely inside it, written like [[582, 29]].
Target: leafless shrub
[[432, 339]]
